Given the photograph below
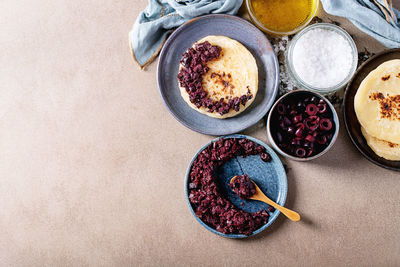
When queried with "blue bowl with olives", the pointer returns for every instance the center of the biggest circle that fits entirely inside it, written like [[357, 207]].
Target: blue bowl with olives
[[302, 125]]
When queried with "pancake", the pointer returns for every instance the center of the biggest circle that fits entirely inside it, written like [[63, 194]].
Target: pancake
[[377, 102], [233, 74], [384, 149]]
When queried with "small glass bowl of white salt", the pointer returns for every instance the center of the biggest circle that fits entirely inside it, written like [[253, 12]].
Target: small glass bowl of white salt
[[322, 58]]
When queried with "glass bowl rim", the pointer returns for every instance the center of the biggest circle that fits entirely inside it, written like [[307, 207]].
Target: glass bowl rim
[[267, 30], [291, 69]]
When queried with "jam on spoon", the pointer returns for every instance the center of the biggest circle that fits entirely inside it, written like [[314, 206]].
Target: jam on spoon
[[240, 184]]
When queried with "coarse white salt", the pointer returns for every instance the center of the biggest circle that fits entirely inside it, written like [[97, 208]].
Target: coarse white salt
[[322, 58]]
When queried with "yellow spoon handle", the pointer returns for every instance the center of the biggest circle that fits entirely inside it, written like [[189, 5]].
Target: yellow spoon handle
[[292, 215]]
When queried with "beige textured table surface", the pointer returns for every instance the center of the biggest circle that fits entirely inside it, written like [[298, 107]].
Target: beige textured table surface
[[92, 164]]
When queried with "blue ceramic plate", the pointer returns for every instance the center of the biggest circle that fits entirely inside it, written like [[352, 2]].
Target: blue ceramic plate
[[269, 176], [233, 27]]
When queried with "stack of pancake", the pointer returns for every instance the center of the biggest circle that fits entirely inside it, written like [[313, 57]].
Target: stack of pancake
[[377, 106]]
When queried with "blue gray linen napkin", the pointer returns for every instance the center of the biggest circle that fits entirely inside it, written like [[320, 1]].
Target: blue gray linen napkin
[[374, 17], [161, 16]]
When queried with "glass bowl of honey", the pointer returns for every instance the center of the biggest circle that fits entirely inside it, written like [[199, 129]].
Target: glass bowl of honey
[[281, 17]]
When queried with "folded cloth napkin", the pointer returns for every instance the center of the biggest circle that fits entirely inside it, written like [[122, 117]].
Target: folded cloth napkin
[[161, 16], [375, 17]]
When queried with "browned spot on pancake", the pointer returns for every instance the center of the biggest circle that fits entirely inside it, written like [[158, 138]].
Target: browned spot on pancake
[[389, 106], [224, 79], [385, 78], [398, 75], [392, 145], [386, 106]]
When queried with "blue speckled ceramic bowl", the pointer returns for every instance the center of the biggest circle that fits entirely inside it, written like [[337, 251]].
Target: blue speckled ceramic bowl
[[233, 27], [269, 176]]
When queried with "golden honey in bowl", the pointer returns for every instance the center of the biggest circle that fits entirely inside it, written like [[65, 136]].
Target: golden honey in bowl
[[282, 16]]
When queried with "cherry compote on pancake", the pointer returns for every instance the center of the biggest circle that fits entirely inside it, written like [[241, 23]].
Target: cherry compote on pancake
[[190, 77]]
